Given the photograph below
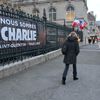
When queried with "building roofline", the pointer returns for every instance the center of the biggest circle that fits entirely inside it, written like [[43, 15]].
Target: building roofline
[[42, 2]]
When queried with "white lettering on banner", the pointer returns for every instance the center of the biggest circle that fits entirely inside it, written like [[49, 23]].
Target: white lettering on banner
[[18, 35], [12, 34], [27, 25], [17, 23], [8, 21], [9, 34], [24, 32], [12, 45], [3, 33]]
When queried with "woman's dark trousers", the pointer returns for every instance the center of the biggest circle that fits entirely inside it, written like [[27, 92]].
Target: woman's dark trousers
[[66, 71]]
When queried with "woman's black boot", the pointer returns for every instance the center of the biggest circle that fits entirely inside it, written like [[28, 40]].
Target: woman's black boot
[[75, 78], [63, 81]]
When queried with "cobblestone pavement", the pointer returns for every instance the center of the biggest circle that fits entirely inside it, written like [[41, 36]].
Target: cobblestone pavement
[[43, 81]]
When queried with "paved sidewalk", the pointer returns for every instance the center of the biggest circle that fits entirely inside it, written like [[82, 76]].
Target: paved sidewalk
[[43, 81]]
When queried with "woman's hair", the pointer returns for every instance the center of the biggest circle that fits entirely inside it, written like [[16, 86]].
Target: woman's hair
[[73, 34]]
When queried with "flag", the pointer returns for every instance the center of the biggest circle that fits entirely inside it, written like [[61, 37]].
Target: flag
[[75, 23], [82, 24]]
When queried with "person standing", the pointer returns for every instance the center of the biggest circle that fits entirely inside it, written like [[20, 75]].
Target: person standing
[[93, 40], [89, 40], [70, 56]]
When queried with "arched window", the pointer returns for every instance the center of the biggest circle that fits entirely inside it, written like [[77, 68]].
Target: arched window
[[52, 14], [70, 8], [70, 13]]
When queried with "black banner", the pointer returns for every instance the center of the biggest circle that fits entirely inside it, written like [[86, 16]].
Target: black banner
[[16, 33]]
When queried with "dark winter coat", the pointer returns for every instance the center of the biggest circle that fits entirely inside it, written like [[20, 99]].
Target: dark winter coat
[[72, 50]]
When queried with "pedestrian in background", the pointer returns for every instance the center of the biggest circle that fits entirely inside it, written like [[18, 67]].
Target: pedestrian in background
[[70, 55], [89, 40], [93, 40]]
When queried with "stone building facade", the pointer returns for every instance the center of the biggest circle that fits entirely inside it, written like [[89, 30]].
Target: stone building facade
[[92, 23], [94, 26], [61, 11]]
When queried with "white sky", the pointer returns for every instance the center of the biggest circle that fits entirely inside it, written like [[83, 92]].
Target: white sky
[[94, 5]]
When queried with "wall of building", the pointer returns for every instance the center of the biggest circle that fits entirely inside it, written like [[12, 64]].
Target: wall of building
[[80, 9]]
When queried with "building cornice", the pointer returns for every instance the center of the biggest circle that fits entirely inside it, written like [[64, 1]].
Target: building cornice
[[47, 1]]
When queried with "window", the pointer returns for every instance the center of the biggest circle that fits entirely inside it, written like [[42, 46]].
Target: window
[[52, 14], [70, 13], [70, 8]]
